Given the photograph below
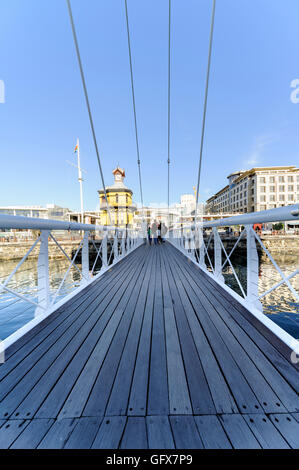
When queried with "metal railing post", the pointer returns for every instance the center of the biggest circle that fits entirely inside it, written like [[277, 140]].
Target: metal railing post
[[43, 281], [115, 246], [123, 243], [85, 257], [128, 243], [104, 251], [217, 256], [252, 269], [201, 248]]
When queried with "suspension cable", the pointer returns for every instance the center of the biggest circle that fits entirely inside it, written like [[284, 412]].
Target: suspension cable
[[205, 106], [87, 103], [134, 106], [169, 70]]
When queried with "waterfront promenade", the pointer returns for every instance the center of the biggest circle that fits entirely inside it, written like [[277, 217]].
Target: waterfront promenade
[[153, 354]]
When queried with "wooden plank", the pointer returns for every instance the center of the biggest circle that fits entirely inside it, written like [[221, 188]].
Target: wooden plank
[[201, 398], [158, 402], [103, 331], [99, 396], [220, 392], [39, 333], [31, 360], [179, 400], [253, 327], [119, 397], [185, 432], [222, 397], [288, 428], [238, 432], [159, 433], [139, 388], [56, 361], [33, 434], [83, 434], [248, 336], [265, 432], [32, 336], [211, 432], [110, 433], [58, 434], [10, 431], [268, 400], [76, 401], [134, 436], [243, 394]]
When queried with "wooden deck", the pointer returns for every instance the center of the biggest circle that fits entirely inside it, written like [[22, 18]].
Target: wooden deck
[[152, 355]]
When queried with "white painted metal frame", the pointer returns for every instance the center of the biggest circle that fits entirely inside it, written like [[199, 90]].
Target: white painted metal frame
[[47, 300], [250, 299]]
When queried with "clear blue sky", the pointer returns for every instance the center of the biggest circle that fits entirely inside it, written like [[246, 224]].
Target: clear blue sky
[[250, 121]]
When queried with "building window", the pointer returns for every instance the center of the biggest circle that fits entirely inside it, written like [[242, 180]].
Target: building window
[[262, 179], [281, 197], [272, 197], [290, 179], [263, 207], [272, 179], [281, 179], [263, 198], [263, 189], [290, 187], [272, 189], [291, 197], [281, 188]]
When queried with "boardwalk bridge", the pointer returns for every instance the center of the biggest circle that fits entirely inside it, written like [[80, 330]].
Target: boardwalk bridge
[[154, 351]]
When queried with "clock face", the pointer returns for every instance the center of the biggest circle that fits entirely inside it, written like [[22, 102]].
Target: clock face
[[118, 177]]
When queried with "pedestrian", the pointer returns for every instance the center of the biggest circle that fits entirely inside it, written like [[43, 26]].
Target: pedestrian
[[159, 234], [163, 231], [149, 235], [154, 232]]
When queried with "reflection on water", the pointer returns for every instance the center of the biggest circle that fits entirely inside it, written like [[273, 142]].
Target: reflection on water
[[15, 312], [280, 304]]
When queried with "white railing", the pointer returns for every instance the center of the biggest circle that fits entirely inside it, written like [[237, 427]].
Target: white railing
[[195, 242], [109, 244]]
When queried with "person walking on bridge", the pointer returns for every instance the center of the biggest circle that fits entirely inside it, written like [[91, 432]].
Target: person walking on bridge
[[155, 232], [149, 235]]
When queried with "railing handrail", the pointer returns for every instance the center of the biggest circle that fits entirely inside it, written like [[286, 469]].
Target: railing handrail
[[279, 214], [35, 223]]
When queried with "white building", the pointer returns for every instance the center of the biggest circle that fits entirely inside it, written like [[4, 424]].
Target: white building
[[256, 190]]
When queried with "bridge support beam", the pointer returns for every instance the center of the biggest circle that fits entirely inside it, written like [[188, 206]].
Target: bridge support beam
[[201, 248], [252, 270], [104, 251], [85, 258], [217, 256], [43, 281], [115, 247]]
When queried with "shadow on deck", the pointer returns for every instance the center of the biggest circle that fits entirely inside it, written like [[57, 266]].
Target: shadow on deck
[[152, 355]]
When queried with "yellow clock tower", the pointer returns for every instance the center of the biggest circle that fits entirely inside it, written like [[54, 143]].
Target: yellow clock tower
[[119, 200]]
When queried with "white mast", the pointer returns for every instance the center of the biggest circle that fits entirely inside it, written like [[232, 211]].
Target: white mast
[[80, 179]]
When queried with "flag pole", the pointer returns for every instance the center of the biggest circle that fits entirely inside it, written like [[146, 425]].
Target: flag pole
[[80, 179]]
